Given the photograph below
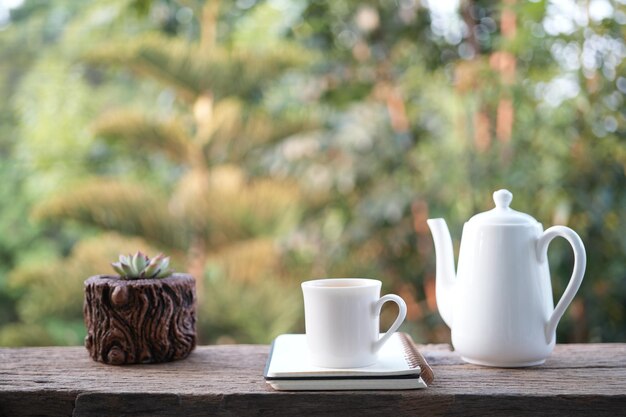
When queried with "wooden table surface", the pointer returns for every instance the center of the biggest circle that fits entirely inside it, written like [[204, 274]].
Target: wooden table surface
[[586, 379]]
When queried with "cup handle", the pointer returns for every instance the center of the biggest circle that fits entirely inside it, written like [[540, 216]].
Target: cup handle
[[401, 316], [580, 262]]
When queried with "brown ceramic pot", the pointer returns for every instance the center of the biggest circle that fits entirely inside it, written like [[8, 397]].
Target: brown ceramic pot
[[140, 321]]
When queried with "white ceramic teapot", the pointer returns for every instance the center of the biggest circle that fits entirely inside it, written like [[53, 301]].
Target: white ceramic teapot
[[499, 306]]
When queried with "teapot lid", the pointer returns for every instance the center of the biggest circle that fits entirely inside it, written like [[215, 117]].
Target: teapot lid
[[502, 214]]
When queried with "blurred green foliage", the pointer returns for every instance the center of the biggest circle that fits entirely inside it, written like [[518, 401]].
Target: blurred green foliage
[[263, 143]]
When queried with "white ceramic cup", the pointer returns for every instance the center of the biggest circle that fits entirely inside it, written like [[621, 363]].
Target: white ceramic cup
[[342, 321]]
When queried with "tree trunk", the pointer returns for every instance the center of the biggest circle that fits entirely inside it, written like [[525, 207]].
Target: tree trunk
[[140, 321]]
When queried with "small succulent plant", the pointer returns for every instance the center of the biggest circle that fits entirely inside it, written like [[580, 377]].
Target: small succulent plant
[[139, 266]]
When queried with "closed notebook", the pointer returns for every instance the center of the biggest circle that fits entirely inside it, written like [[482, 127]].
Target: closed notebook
[[399, 366]]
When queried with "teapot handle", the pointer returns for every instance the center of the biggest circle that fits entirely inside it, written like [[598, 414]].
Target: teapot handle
[[580, 262]]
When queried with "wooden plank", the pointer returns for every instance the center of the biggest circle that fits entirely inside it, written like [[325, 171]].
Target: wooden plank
[[36, 403], [227, 380]]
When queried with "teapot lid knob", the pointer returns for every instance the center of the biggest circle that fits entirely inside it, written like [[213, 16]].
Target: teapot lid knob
[[502, 214], [502, 198]]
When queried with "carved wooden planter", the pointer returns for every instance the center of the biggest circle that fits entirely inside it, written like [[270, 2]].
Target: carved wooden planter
[[140, 321]]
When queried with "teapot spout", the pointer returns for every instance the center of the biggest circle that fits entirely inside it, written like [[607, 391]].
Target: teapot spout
[[445, 278]]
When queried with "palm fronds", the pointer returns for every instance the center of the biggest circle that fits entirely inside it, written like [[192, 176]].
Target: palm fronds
[[257, 128], [143, 133], [193, 70], [225, 207], [112, 205]]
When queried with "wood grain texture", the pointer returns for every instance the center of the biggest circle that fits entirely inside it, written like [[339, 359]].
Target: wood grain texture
[[227, 381], [140, 321]]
